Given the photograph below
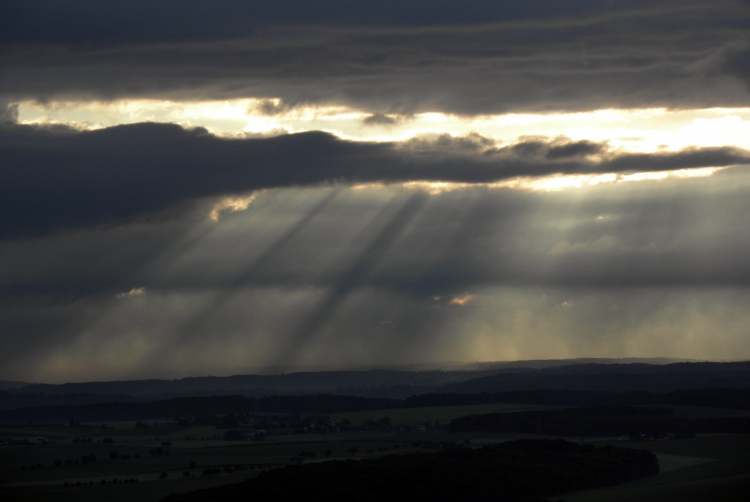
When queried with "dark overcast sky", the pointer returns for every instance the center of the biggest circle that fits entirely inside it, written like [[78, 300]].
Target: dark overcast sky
[[469, 57], [111, 267]]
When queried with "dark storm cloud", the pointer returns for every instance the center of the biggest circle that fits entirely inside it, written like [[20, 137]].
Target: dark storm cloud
[[574, 149], [55, 178], [384, 57], [381, 119], [269, 107], [737, 63], [90, 21]]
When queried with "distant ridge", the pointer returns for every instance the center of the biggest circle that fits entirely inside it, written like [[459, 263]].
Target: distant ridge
[[550, 363], [575, 374], [9, 384], [613, 377], [692, 383], [280, 371]]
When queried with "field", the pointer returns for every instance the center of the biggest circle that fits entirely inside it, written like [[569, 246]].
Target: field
[[440, 415], [121, 462], [125, 461], [715, 467]]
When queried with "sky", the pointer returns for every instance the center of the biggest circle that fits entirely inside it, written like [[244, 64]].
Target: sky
[[193, 188]]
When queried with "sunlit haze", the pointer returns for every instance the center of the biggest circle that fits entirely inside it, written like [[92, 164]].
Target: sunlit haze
[[281, 187]]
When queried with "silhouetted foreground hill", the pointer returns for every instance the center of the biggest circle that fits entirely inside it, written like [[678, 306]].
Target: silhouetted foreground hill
[[527, 470]]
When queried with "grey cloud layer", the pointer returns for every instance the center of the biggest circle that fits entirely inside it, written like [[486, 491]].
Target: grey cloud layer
[[490, 57], [688, 233], [90, 21], [332, 276], [55, 178]]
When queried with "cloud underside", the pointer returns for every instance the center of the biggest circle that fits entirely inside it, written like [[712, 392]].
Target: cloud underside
[[56, 178], [487, 59]]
